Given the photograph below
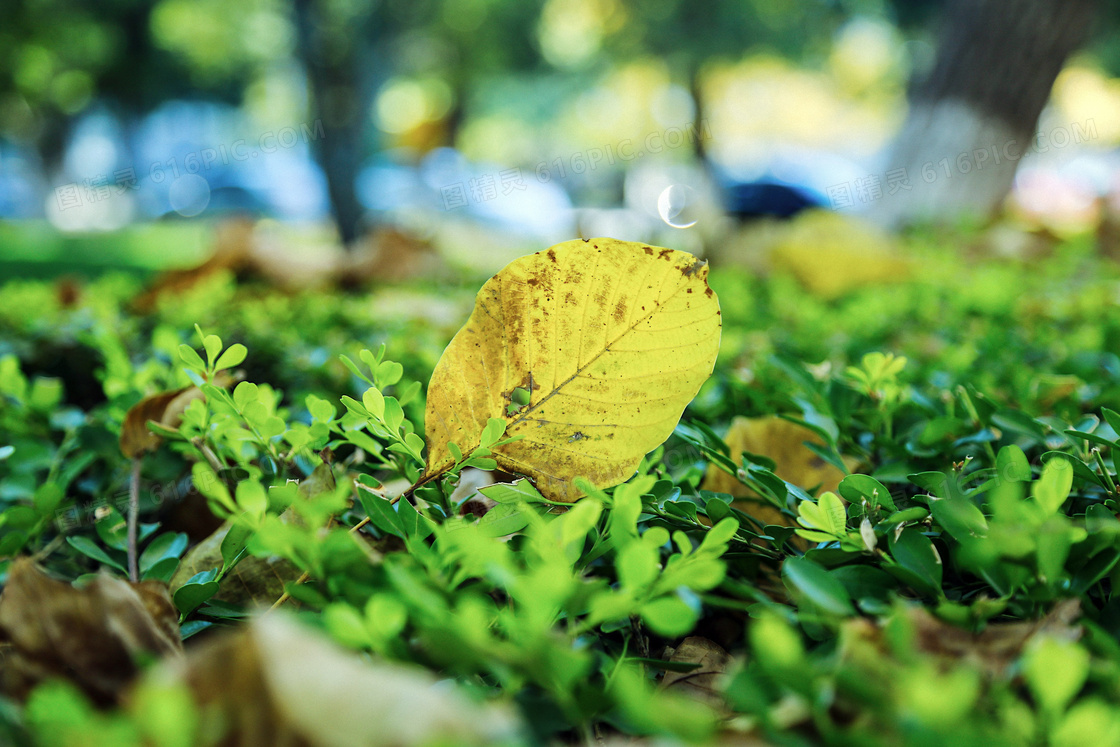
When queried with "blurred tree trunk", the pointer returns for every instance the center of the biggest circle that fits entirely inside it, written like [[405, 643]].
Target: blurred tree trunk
[[340, 96], [973, 117]]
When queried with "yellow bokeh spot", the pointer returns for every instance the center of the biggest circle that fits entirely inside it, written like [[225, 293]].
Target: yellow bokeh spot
[[1082, 94], [406, 103]]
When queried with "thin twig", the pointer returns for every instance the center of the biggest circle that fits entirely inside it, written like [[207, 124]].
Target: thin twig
[[211, 457], [286, 596], [50, 547], [133, 519]]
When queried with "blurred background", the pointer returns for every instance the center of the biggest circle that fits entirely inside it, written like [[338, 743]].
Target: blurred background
[[365, 139]]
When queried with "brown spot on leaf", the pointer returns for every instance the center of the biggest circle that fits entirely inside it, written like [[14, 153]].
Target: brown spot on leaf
[[694, 268], [648, 250], [664, 254], [620, 311]]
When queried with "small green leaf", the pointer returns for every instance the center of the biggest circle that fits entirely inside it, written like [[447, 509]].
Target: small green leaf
[[914, 554], [858, 487], [1012, 464], [233, 544], [346, 625], [1112, 418], [213, 345], [1055, 671], [409, 393], [826, 515], [320, 409], [162, 570], [719, 535], [959, 517], [167, 545], [191, 358], [817, 586], [353, 368], [47, 497], [1052, 488], [394, 415], [89, 548], [494, 429], [637, 566], [914, 513], [388, 373], [1089, 437], [233, 356], [669, 616], [244, 393], [381, 514], [503, 520], [190, 595], [522, 490], [374, 401], [272, 426], [251, 498]]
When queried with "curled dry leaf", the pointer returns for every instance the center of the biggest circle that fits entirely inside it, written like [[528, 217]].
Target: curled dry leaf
[[784, 442], [589, 351], [252, 582], [94, 636], [705, 683], [279, 682], [165, 408]]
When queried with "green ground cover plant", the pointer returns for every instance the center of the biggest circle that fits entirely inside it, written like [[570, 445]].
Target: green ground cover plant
[[956, 585]]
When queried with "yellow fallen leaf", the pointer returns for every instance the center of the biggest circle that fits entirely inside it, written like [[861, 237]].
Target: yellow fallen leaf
[[589, 352], [784, 442], [831, 254]]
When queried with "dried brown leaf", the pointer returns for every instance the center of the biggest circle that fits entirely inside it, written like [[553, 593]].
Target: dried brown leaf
[[277, 682], [94, 636], [705, 683], [135, 437], [252, 582]]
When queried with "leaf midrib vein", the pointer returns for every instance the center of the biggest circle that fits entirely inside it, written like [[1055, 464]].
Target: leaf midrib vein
[[656, 306]]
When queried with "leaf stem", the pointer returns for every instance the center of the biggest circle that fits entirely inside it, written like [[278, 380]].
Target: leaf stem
[[133, 519], [1104, 470]]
